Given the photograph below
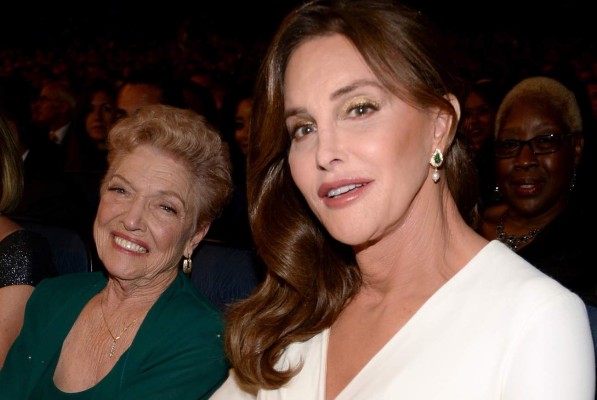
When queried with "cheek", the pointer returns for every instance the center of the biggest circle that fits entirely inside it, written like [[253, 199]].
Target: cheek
[[297, 167], [105, 212]]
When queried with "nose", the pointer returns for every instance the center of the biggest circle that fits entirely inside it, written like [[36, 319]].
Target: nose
[[526, 156], [133, 219], [329, 148]]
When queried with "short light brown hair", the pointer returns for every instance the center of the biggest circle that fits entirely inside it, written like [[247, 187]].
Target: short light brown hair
[[187, 136]]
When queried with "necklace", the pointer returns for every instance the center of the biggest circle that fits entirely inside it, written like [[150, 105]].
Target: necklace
[[114, 338], [513, 241]]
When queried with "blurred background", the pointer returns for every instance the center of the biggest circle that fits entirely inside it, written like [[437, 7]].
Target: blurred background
[[39, 22]]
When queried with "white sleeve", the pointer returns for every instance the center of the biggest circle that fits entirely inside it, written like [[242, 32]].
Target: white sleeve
[[554, 358], [230, 390]]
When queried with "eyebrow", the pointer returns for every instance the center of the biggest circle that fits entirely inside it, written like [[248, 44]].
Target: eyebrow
[[336, 94], [167, 193]]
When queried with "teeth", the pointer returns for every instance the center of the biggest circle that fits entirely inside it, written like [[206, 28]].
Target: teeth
[[129, 245], [343, 189]]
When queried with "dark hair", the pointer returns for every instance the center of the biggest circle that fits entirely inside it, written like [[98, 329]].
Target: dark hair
[[310, 275]]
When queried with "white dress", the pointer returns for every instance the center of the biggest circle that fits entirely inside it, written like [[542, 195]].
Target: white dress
[[499, 329]]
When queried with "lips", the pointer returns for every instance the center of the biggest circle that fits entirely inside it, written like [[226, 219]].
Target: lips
[[128, 245], [527, 187], [339, 188]]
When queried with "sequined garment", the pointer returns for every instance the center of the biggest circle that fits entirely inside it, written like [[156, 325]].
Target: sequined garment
[[25, 258]]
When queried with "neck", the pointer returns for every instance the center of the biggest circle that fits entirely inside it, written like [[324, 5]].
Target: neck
[[515, 242]]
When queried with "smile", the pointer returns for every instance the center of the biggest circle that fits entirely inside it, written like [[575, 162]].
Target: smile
[[125, 244], [344, 189]]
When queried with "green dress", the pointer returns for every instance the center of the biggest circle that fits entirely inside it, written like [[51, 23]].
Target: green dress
[[176, 354]]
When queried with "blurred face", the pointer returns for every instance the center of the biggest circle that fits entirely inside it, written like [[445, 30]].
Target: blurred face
[[48, 107], [147, 215], [478, 119], [241, 119], [131, 97], [535, 184], [100, 117], [359, 154]]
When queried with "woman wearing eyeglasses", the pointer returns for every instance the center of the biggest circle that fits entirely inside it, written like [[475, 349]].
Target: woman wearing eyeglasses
[[539, 144]]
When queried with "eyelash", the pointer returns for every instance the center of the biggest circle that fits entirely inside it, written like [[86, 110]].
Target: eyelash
[[353, 110], [116, 189], [169, 209], [297, 130], [362, 108], [164, 207]]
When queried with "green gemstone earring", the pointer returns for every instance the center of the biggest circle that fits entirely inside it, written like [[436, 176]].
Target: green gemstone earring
[[437, 158]]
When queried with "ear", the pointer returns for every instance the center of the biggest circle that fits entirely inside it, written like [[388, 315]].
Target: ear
[[445, 124], [196, 239]]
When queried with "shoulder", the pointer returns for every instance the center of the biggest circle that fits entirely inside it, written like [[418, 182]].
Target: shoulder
[[27, 256], [516, 281]]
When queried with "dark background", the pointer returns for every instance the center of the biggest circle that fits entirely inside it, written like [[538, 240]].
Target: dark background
[[34, 23]]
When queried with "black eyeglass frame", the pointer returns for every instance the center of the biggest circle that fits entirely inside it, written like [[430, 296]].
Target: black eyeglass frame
[[532, 143]]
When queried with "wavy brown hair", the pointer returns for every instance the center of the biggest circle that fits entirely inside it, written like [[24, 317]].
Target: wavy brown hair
[[310, 276]]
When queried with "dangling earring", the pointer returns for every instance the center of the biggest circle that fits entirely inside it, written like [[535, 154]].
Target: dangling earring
[[187, 265], [436, 161]]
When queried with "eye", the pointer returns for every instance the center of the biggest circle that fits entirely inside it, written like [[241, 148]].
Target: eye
[[168, 209], [361, 107], [507, 144], [107, 108], [547, 139], [116, 189], [300, 130]]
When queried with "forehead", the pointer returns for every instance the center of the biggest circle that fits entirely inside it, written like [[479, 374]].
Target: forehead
[[474, 99], [154, 169], [325, 63], [101, 97], [533, 109]]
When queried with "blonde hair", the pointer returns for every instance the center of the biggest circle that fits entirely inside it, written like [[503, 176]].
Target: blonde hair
[[187, 136], [11, 169], [547, 91]]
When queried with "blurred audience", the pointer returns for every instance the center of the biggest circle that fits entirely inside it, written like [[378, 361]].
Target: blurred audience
[[146, 87], [50, 195], [478, 118], [54, 111], [233, 225]]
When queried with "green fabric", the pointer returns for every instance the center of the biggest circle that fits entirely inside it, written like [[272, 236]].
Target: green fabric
[[177, 353]]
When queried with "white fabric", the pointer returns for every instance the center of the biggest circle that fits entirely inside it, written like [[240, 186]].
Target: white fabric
[[499, 329]]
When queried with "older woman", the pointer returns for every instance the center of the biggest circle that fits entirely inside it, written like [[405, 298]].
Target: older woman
[[141, 330], [539, 146], [376, 287]]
